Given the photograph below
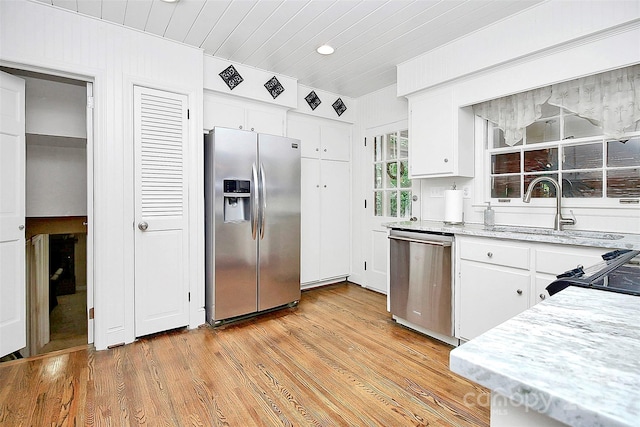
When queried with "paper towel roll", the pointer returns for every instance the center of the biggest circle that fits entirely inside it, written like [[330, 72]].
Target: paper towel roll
[[453, 206]]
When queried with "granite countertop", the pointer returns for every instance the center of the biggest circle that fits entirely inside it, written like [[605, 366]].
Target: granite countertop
[[609, 240], [574, 357]]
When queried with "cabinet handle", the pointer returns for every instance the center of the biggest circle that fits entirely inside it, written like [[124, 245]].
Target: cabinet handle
[[543, 296], [490, 254], [325, 150], [519, 291], [446, 160], [251, 129], [240, 127], [325, 186], [317, 149]]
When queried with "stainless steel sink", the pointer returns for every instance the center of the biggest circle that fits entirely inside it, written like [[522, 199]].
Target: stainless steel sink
[[574, 234]]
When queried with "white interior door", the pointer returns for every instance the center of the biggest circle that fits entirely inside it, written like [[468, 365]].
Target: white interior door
[[161, 223], [13, 328], [391, 196]]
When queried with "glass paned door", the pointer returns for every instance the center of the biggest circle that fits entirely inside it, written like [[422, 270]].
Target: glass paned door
[[392, 193]]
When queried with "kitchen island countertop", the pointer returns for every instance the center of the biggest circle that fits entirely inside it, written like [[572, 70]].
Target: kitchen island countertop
[[574, 357], [544, 235]]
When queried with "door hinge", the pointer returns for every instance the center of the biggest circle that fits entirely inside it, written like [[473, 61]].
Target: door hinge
[[187, 114], [189, 296], [91, 313], [90, 102], [365, 266]]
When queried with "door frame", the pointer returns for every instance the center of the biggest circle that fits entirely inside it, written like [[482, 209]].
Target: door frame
[[90, 82], [372, 223]]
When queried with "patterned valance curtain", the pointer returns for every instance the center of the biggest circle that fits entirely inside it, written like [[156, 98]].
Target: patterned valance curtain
[[610, 100]]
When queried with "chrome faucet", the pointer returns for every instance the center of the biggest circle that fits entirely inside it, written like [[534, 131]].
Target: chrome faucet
[[560, 221]]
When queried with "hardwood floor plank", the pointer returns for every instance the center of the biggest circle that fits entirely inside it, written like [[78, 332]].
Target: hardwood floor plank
[[338, 359]]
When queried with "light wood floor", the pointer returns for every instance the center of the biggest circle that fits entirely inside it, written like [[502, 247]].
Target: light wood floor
[[336, 359]]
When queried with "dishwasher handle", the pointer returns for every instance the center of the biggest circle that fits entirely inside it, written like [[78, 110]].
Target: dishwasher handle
[[426, 242]]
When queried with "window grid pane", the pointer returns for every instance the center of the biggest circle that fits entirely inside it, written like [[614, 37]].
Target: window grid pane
[[588, 168], [391, 172]]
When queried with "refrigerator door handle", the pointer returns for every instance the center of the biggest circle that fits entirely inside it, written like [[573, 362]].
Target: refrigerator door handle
[[263, 200], [255, 201]]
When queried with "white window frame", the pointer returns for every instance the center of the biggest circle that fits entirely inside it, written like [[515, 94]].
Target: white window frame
[[567, 202]]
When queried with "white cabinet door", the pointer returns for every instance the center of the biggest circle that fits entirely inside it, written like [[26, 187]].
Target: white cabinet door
[[441, 136], [335, 142], [310, 220], [161, 211], [335, 230], [490, 295], [221, 111], [223, 115], [431, 148], [308, 133], [265, 121], [13, 302]]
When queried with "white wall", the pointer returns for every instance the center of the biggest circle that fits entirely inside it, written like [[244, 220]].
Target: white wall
[[541, 30], [492, 63], [43, 38], [56, 176], [55, 108]]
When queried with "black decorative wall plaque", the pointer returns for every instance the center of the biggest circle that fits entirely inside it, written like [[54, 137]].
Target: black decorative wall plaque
[[313, 100], [231, 77], [274, 87], [339, 107]]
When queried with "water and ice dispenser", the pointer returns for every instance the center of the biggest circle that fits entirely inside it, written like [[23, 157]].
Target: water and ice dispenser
[[237, 195]]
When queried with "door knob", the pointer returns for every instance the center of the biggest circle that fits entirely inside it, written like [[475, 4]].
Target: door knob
[[519, 291], [143, 226], [21, 227]]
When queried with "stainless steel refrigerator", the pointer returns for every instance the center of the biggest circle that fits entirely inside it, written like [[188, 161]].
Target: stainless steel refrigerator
[[252, 223]]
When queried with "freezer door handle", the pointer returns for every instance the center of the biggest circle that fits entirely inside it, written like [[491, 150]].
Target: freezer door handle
[[263, 200], [254, 200]]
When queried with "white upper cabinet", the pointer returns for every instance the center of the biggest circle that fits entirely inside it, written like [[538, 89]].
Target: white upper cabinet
[[224, 111], [336, 142], [320, 139], [441, 136]]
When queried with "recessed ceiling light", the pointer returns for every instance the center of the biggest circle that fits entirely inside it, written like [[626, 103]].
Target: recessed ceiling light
[[171, 1], [325, 49]]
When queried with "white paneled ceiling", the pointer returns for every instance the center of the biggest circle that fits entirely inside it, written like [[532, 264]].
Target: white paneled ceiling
[[370, 37]]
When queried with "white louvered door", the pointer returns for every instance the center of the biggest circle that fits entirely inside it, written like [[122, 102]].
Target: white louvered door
[[161, 222]]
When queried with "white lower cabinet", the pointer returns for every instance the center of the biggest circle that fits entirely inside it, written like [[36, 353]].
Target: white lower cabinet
[[498, 279], [494, 283], [489, 296], [325, 233]]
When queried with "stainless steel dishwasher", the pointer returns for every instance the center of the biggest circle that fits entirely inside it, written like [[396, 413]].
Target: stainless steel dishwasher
[[420, 290]]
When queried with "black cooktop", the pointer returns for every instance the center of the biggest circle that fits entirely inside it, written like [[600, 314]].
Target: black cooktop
[[618, 272]]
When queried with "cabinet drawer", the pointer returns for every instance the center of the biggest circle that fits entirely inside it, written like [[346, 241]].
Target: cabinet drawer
[[505, 254], [558, 260]]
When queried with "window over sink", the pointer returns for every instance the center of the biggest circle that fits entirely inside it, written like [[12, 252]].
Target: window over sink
[[569, 148]]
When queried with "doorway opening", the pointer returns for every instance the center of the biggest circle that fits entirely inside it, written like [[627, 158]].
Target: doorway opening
[[57, 135]]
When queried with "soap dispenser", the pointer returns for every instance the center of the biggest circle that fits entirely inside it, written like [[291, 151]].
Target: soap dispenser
[[489, 216]]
